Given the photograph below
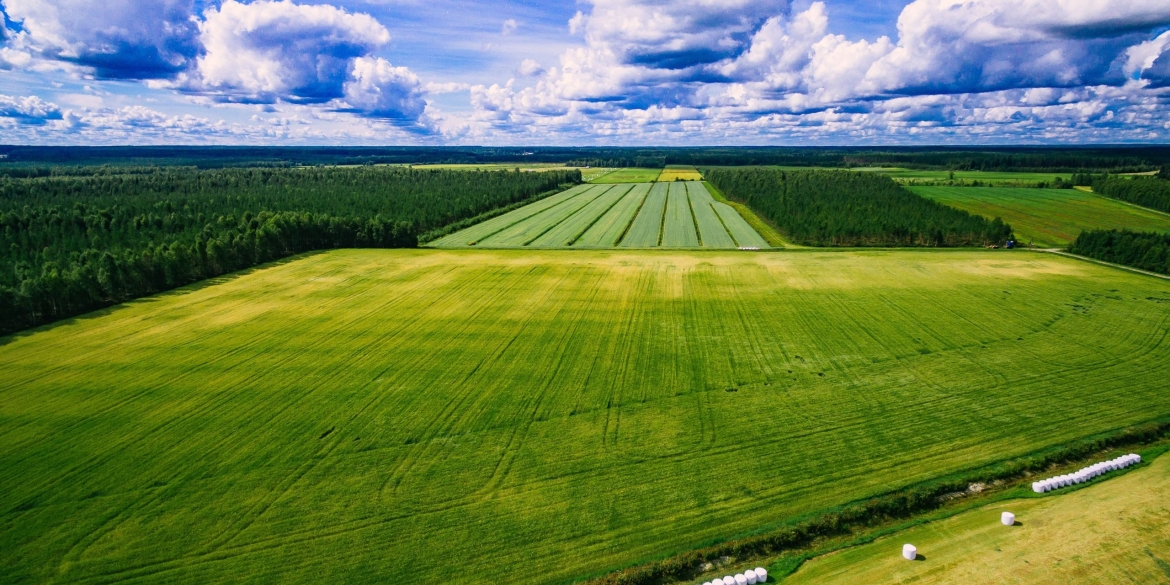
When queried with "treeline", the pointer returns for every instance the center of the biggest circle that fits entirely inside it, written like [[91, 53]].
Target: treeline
[[1149, 192], [843, 208], [1031, 159], [654, 162], [1144, 250], [69, 245]]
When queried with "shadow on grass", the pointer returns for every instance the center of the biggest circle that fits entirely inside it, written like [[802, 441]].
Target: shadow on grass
[[154, 298]]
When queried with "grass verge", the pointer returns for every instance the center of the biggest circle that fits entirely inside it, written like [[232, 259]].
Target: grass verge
[[864, 521]]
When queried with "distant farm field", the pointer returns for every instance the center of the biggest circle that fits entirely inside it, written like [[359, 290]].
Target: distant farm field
[[628, 215], [1048, 217], [679, 173], [628, 176], [529, 416], [1114, 532]]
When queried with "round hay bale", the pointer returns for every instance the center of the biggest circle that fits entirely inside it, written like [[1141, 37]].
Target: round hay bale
[[751, 577], [740, 579], [909, 552], [761, 575], [729, 580], [1007, 518], [1036, 487]]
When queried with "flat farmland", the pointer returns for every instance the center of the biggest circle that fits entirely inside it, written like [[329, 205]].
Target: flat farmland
[[679, 173], [633, 175], [1048, 217], [629, 215], [530, 416]]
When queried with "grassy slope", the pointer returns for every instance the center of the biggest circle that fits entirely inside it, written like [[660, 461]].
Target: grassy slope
[[530, 417], [1117, 531], [1049, 217]]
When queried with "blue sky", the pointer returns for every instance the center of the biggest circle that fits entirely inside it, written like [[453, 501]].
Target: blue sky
[[593, 72]]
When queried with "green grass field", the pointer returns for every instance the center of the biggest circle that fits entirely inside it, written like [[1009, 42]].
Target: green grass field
[[630, 215], [992, 177], [530, 416], [1048, 217], [1114, 532], [630, 175]]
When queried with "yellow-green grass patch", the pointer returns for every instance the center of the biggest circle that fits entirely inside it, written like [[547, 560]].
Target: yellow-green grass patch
[[679, 173]]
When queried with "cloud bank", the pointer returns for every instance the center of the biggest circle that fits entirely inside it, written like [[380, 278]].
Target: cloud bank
[[641, 71]]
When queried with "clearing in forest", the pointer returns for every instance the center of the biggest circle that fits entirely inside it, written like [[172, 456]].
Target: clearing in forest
[[531, 416], [1048, 217], [679, 214]]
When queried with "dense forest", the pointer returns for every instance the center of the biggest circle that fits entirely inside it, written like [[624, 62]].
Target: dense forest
[[31, 160], [1149, 192], [1144, 250], [73, 244], [842, 208]]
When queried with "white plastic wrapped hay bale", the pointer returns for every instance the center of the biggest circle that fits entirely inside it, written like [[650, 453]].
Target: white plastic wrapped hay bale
[[1037, 487], [729, 580], [740, 579], [761, 575], [909, 552], [1007, 518], [1136, 458], [750, 575]]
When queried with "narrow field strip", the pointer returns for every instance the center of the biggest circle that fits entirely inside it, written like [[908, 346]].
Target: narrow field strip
[[522, 233], [678, 230], [609, 229], [566, 232], [475, 233], [644, 232], [738, 227], [711, 230]]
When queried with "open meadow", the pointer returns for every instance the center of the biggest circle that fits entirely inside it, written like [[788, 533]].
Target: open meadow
[[1048, 217], [1113, 532], [679, 214], [530, 416]]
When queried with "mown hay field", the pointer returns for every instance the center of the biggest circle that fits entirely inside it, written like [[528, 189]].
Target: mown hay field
[[1114, 532], [1048, 217], [629, 215], [531, 416]]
